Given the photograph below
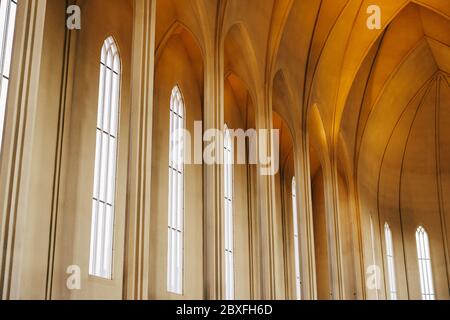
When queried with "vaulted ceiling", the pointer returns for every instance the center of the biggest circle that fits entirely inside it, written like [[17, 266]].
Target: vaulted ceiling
[[319, 54]]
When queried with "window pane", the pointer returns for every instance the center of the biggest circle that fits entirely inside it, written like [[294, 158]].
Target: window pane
[[112, 157], [3, 96], [390, 262], [176, 195], [424, 260], [101, 96], [103, 166], [228, 215], [9, 39], [7, 24], [107, 100], [374, 259], [104, 186]]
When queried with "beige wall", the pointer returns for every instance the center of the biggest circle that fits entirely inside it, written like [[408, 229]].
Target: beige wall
[[234, 119], [31, 211], [74, 221], [175, 68]]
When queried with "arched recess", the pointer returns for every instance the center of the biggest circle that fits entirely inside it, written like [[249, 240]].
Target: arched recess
[[283, 220], [73, 228], [173, 14], [239, 114], [253, 23], [240, 58], [392, 127], [191, 45], [240, 111], [179, 62], [286, 239], [286, 116], [284, 102]]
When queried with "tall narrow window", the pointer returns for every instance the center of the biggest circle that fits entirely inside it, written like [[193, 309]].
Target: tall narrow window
[[374, 258], [103, 200], [228, 207], [424, 258], [296, 241], [8, 10], [176, 194], [390, 262]]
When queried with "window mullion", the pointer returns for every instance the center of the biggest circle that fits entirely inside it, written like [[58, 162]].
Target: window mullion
[[176, 212], [103, 221], [424, 261], [107, 121], [98, 173], [176, 195]]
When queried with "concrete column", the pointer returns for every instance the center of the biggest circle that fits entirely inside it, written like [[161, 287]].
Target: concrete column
[[30, 154], [213, 118], [137, 252], [305, 218], [266, 200], [335, 253]]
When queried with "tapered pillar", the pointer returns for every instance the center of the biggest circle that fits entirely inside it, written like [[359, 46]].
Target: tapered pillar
[[335, 254], [30, 155], [213, 118], [305, 218], [137, 247], [266, 195]]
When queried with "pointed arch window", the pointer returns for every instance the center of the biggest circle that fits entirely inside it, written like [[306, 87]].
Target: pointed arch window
[[390, 262], [228, 207], [296, 241], [424, 259], [176, 194], [103, 200], [374, 258], [8, 9]]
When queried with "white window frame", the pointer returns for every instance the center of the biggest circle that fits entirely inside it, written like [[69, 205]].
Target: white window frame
[[105, 174], [390, 262], [425, 267], [298, 283], [175, 260], [228, 216], [8, 11]]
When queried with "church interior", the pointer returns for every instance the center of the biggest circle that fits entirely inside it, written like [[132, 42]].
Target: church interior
[[94, 207]]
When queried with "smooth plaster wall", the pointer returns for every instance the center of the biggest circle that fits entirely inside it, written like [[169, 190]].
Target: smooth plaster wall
[[74, 221], [234, 119], [30, 265], [175, 68]]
